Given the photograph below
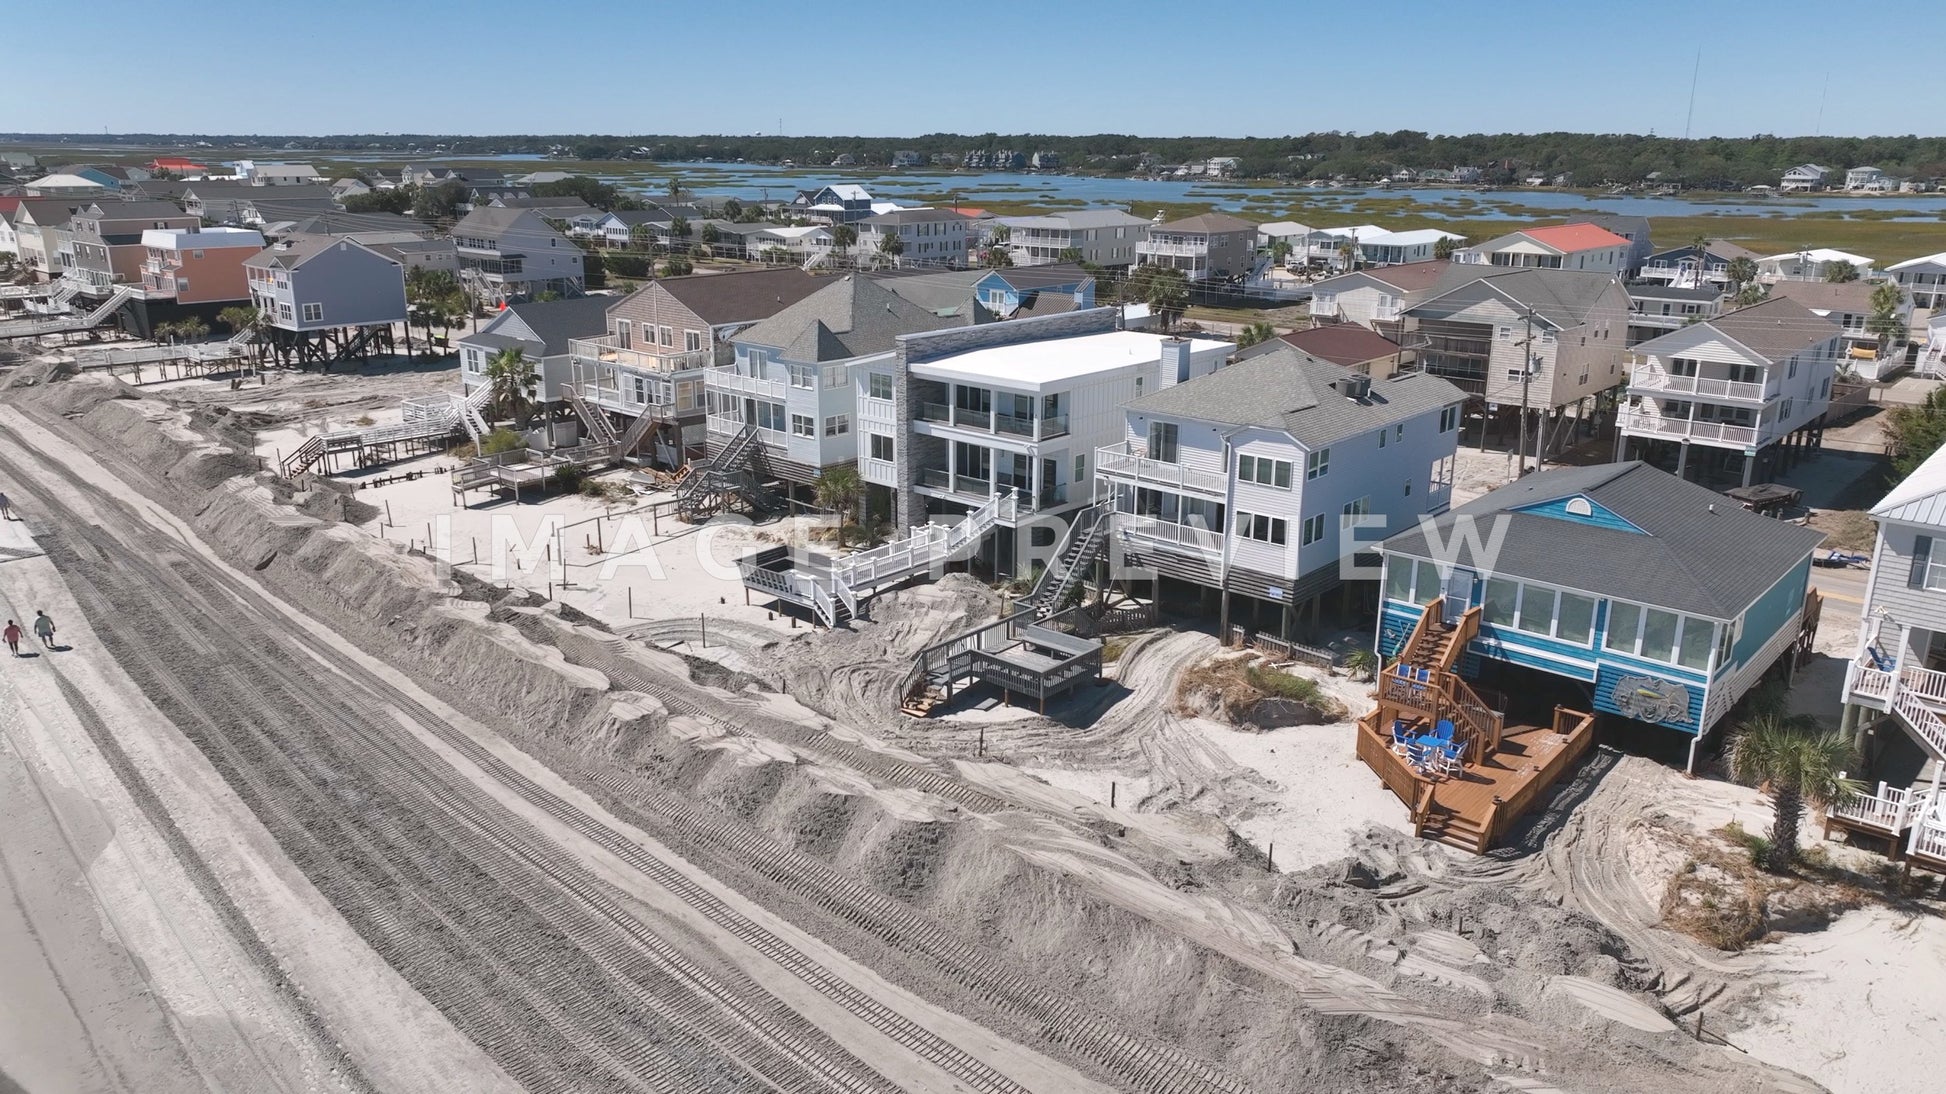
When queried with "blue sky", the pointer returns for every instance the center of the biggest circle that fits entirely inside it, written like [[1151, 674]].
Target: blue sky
[[880, 69]]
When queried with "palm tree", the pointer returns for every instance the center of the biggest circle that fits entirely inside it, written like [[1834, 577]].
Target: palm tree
[[190, 328], [842, 237], [1742, 271], [513, 380], [891, 244], [1699, 246], [1347, 255], [679, 231], [675, 188], [1797, 762], [732, 209], [1280, 249], [710, 236], [1443, 249], [1255, 334], [838, 489], [1838, 271], [1884, 320]]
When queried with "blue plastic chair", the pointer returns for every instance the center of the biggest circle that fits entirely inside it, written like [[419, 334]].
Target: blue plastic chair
[[1879, 661], [1443, 731]]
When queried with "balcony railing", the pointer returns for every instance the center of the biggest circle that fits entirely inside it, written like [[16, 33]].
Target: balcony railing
[[1173, 250], [1891, 809], [1129, 462], [609, 397], [720, 379], [1701, 386], [1201, 541], [647, 359], [1717, 433]]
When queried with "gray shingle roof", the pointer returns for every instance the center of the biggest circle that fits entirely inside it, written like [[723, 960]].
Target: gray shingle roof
[[851, 317], [1562, 297], [1208, 224], [1774, 329], [1282, 388], [740, 297], [1693, 558], [556, 321], [295, 251]]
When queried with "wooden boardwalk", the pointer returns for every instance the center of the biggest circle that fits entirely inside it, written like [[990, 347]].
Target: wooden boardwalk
[[1473, 809]]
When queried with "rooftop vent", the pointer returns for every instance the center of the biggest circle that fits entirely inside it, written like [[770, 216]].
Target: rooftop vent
[[1356, 386]]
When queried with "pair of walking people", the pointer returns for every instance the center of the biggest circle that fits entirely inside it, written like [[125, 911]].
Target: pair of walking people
[[43, 630]]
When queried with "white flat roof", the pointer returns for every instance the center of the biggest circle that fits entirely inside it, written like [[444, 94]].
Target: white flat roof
[[1821, 254], [1413, 238], [1911, 263], [1029, 365], [1359, 230], [177, 239]]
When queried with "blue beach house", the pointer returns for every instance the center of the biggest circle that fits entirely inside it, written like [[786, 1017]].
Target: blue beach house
[[1657, 600]]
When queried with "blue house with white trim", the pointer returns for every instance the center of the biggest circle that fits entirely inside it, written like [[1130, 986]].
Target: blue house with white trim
[[1664, 600]]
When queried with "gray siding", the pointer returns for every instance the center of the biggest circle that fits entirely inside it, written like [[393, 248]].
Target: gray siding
[[1890, 589], [355, 286]]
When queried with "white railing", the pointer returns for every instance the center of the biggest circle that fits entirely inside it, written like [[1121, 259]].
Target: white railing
[[1172, 250], [606, 351], [1657, 425], [1704, 386], [1926, 683], [1203, 541], [727, 380], [1124, 460], [1914, 712], [1869, 682], [1891, 809], [1928, 839]]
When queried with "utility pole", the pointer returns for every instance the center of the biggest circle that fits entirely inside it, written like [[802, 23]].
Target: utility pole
[[1526, 380]]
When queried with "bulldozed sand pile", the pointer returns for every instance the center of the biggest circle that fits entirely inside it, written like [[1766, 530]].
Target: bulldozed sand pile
[[1393, 970]]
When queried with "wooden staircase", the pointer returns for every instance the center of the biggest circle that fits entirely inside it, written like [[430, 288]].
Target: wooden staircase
[[1452, 828]]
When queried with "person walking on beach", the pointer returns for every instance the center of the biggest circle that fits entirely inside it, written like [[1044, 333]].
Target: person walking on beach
[[44, 628], [12, 635], [6, 508]]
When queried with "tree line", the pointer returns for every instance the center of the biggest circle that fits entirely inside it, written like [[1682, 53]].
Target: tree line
[[1591, 158]]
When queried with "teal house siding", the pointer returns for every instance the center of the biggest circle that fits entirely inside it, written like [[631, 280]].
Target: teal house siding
[[1598, 515], [1772, 610]]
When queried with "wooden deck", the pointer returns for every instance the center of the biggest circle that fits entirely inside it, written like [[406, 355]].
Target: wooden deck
[[1475, 808]]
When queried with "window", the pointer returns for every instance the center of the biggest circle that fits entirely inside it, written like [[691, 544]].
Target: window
[[1317, 464], [665, 336], [1353, 509], [284, 312], [313, 313], [1660, 635], [1264, 471], [1313, 530], [1449, 419], [881, 447], [692, 340], [1080, 469], [1261, 528], [804, 375], [1163, 442], [1624, 621], [1574, 620], [195, 254], [880, 385], [803, 425], [1381, 438], [771, 416], [639, 388], [837, 425], [1502, 600], [1398, 432]]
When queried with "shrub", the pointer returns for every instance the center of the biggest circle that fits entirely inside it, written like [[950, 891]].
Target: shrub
[[1362, 664], [363, 420], [1283, 685], [501, 440], [568, 478]]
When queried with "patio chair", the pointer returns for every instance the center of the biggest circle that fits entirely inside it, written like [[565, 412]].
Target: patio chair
[[1399, 738], [1879, 661], [1444, 730], [1452, 759], [1425, 676], [1419, 756]]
